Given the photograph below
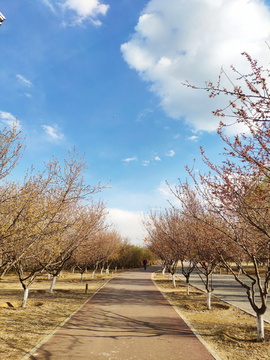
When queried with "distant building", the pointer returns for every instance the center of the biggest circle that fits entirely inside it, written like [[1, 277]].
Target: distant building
[[2, 18]]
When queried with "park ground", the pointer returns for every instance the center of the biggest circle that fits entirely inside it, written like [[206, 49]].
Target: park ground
[[230, 332]]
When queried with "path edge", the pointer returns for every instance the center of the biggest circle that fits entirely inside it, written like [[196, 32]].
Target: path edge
[[212, 352], [47, 337]]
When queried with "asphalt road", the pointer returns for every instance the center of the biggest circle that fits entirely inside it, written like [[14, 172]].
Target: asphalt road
[[226, 288], [128, 319]]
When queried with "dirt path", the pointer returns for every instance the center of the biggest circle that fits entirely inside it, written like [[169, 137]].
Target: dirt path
[[127, 319]]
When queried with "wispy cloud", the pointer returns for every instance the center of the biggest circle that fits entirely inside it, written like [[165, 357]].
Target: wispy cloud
[[130, 159], [157, 158], [193, 138], [144, 114], [24, 80], [9, 119], [53, 132], [177, 136], [170, 153], [146, 162], [85, 9], [50, 6]]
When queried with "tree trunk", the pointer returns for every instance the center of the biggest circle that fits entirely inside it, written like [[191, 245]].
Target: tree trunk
[[208, 300], [169, 277], [52, 284], [101, 272], [81, 277], [93, 274], [173, 279], [25, 297], [260, 328], [163, 271], [187, 288]]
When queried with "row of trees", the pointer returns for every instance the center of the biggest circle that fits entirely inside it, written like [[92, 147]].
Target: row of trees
[[50, 221], [224, 216]]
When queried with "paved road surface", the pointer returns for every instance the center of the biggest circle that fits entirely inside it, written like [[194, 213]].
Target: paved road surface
[[227, 289], [127, 319]]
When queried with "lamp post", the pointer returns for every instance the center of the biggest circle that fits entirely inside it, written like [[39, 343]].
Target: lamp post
[[2, 18]]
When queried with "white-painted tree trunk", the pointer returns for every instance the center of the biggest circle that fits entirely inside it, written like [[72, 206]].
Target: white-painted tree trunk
[[260, 328], [85, 269], [25, 297], [52, 284], [81, 277], [49, 276], [101, 272], [93, 274], [209, 300], [187, 288], [173, 279], [163, 271], [116, 269], [169, 276]]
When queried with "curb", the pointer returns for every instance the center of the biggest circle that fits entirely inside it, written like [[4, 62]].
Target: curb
[[211, 351], [47, 337]]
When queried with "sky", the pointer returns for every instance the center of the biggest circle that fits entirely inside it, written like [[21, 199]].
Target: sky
[[107, 77]]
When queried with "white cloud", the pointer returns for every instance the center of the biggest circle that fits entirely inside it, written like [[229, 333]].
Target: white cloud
[[157, 158], [177, 136], [168, 197], [9, 119], [53, 132], [130, 159], [146, 162], [48, 3], [170, 153], [24, 80], [181, 40], [193, 138], [144, 114], [128, 223], [85, 9], [27, 95]]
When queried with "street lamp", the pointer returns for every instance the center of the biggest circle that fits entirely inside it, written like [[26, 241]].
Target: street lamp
[[2, 18]]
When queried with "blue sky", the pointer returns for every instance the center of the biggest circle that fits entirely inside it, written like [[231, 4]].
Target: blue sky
[[106, 76]]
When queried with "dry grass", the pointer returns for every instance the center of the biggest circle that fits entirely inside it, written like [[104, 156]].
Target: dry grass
[[230, 332], [23, 328]]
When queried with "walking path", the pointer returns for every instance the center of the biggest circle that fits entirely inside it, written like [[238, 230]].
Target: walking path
[[227, 289], [128, 319]]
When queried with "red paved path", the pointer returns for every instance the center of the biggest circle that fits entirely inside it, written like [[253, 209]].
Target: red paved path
[[128, 319]]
